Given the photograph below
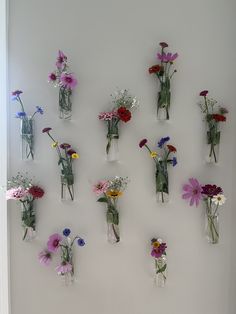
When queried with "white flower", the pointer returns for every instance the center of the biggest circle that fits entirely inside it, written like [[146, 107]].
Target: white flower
[[219, 199]]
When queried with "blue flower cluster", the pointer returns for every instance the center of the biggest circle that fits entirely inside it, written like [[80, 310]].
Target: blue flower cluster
[[162, 141]]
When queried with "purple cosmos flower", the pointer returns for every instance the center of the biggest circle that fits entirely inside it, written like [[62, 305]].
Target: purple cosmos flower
[[66, 232], [81, 242], [174, 161], [45, 257], [167, 57], [54, 242], [193, 191], [142, 142], [64, 268], [162, 141], [39, 110], [20, 114], [68, 81], [46, 130]]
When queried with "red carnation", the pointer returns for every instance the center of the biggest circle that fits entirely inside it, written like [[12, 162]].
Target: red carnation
[[36, 191], [172, 148], [154, 69], [46, 130], [124, 114], [219, 117], [204, 93], [142, 142]]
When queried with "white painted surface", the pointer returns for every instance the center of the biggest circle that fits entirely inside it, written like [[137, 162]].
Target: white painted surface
[[110, 44]]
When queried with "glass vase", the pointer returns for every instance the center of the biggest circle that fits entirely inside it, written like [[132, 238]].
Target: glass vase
[[163, 101], [67, 278], [213, 144], [113, 232], [27, 138], [113, 151], [212, 224], [67, 186], [65, 104], [162, 183], [28, 219], [160, 271]]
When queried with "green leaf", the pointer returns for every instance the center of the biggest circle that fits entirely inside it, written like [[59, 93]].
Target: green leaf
[[102, 200], [162, 269]]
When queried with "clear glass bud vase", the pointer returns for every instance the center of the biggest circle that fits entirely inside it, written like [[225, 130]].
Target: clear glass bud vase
[[27, 138], [160, 271], [65, 104], [28, 219], [66, 269], [162, 183], [67, 187], [112, 151], [67, 278], [213, 146], [113, 231], [212, 227], [163, 101]]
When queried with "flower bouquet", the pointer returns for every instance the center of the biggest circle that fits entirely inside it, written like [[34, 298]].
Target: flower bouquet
[[123, 103], [213, 117], [109, 191], [159, 254], [21, 188], [213, 197], [63, 243], [66, 155], [164, 74], [66, 82], [162, 160], [26, 128]]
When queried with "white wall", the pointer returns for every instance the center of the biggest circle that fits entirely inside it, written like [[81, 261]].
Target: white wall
[[111, 44]]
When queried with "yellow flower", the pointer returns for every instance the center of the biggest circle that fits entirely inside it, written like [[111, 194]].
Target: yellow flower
[[153, 154], [54, 145], [156, 244], [75, 156], [114, 193]]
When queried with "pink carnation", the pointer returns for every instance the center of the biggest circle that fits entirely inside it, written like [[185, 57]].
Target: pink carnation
[[68, 81], [16, 193], [64, 268], [101, 187], [107, 115]]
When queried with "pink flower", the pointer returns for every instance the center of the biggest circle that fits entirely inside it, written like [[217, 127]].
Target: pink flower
[[193, 191], [64, 268], [16, 193], [68, 80], [107, 115], [61, 59], [54, 242], [167, 57], [45, 257], [52, 77], [101, 187]]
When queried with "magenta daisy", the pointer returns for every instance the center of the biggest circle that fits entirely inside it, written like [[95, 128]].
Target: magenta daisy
[[68, 81], [101, 187], [193, 191], [54, 242]]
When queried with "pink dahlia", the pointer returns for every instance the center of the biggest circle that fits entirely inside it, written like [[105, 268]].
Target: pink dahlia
[[64, 268], [68, 80], [54, 242], [193, 191], [101, 187], [16, 193], [45, 257]]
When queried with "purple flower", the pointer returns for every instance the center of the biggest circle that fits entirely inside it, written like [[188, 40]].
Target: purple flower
[[61, 59], [68, 81], [64, 268], [203, 93], [39, 110], [16, 93], [20, 114], [54, 242], [163, 45], [65, 146], [46, 130], [159, 251], [66, 232], [45, 257], [193, 191], [167, 57], [142, 142], [81, 242], [211, 190], [162, 141], [174, 161], [52, 77]]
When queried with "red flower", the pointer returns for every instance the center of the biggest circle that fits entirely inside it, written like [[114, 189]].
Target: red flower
[[163, 45], [124, 114], [204, 93], [70, 152], [219, 117], [46, 130], [154, 69], [142, 142], [65, 145], [211, 190], [36, 191], [171, 148]]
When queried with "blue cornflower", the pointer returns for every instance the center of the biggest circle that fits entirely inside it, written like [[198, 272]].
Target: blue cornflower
[[81, 242], [39, 110], [174, 161], [66, 232], [162, 141], [20, 114]]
